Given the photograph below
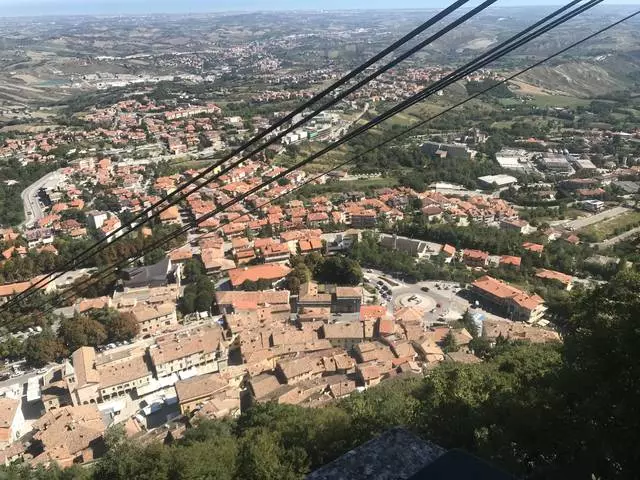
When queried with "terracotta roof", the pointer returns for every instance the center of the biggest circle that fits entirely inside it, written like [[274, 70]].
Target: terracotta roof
[[372, 312], [199, 386], [264, 384], [351, 330], [18, 287], [533, 247], [510, 260], [116, 373], [553, 275], [492, 328], [185, 343], [83, 360], [8, 409], [67, 431], [142, 312], [250, 300], [349, 292], [272, 271], [449, 249]]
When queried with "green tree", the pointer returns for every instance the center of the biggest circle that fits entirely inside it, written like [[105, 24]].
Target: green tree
[[41, 349], [81, 330], [449, 343]]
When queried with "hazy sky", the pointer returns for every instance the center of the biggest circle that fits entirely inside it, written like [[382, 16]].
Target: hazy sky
[[65, 7]]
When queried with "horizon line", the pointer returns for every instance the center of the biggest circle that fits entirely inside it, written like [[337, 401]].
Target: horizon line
[[272, 10]]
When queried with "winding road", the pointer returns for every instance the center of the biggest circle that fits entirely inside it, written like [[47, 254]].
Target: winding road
[[32, 208]]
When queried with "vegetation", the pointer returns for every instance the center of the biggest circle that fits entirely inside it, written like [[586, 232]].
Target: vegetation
[[610, 228], [35, 263], [339, 270], [11, 208], [199, 292]]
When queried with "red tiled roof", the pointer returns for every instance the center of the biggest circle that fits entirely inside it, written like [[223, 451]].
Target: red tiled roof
[[254, 273]]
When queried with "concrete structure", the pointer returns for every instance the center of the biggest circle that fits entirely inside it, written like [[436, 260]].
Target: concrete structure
[[497, 181], [415, 248]]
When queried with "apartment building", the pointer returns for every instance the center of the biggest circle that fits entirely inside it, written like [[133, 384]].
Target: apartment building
[[514, 303], [202, 348]]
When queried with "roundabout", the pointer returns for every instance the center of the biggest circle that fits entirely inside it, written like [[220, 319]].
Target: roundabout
[[419, 300]]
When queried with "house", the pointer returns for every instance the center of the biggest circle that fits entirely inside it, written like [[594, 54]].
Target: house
[[515, 303], [307, 246], [12, 423], [159, 274], [592, 205], [341, 386], [214, 261], [343, 335], [236, 300], [428, 350], [347, 299], [432, 212], [271, 273], [96, 219], [449, 252], [170, 216], [363, 219], [533, 247], [263, 385], [195, 391], [276, 252], [555, 278], [68, 436], [202, 349], [297, 370], [8, 290], [453, 151], [475, 258], [518, 225], [152, 319], [510, 261], [310, 297]]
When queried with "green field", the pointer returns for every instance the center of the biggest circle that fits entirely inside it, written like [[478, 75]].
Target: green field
[[558, 101], [612, 227]]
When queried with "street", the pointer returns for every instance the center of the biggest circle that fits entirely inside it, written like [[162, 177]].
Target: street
[[32, 208], [598, 217]]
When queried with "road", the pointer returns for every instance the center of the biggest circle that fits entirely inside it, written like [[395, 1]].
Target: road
[[598, 217], [21, 380], [451, 306], [618, 238], [32, 208]]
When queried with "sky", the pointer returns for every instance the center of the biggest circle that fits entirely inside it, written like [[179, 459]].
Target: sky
[[100, 7]]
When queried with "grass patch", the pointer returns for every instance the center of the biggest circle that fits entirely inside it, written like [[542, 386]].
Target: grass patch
[[557, 101], [611, 227]]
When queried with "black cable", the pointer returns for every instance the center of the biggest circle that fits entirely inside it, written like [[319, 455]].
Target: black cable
[[421, 123], [143, 217], [413, 101]]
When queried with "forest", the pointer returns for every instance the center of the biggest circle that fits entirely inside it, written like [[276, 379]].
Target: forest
[[551, 411]]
